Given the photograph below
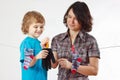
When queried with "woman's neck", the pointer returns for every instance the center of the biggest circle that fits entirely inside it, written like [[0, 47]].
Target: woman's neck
[[73, 35]]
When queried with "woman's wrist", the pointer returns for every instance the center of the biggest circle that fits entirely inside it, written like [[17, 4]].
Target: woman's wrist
[[75, 64], [71, 66]]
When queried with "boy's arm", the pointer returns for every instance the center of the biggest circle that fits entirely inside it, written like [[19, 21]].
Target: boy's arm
[[42, 55], [28, 58]]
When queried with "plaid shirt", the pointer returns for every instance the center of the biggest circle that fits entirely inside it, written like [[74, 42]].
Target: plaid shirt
[[86, 46]]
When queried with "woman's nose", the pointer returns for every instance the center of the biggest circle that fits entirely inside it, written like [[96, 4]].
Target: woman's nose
[[72, 20]]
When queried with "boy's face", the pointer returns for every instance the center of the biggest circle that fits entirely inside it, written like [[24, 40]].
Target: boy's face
[[35, 29]]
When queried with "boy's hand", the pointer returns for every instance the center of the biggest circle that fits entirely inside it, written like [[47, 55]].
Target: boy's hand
[[42, 55], [45, 42]]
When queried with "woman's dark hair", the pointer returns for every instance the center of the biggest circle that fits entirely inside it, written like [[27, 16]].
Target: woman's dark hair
[[82, 13]]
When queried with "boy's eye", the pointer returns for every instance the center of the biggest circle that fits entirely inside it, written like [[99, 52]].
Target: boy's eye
[[35, 26], [41, 26]]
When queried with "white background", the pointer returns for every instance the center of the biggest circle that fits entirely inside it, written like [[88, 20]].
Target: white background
[[106, 23]]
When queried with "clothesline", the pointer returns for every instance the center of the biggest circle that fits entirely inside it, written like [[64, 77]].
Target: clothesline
[[8, 45]]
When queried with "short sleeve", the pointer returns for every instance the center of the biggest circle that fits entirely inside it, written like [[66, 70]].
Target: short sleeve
[[23, 46], [54, 44], [93, 50]]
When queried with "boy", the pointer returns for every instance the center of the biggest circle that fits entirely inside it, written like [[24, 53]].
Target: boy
[[31, 53]]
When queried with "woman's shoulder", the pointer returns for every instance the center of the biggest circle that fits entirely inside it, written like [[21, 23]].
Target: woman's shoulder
[[60, 35], [90, 37]]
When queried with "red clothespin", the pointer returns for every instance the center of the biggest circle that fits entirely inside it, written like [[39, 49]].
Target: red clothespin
[[73, 49]]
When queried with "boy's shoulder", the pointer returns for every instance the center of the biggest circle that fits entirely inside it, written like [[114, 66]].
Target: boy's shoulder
[[29, 40]]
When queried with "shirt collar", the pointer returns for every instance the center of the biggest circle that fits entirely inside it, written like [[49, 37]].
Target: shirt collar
[[65, 35], [81, 35]]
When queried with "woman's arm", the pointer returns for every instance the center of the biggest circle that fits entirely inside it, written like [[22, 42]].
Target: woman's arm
[[91, 69], [54, 65]]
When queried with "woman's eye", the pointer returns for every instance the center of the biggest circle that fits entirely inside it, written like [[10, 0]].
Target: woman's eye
[[68, 16]]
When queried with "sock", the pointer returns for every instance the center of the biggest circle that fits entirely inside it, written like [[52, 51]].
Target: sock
[[78, 61], [75, 65], [27, 61], [28, 58]]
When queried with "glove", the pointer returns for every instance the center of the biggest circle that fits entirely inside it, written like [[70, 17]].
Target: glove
[[46, 63]]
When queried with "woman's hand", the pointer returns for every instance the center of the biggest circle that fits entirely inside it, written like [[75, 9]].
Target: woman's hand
[[64, 63]]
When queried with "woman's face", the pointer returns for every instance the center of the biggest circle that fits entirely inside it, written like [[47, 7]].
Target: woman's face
[[72, 21]]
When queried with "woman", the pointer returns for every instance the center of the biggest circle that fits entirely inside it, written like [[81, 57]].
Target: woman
[[76, 52]]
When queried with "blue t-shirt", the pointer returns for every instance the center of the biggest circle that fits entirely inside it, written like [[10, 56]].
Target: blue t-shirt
[[35, 72]]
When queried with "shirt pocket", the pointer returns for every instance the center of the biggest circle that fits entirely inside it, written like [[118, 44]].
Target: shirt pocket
[[64, 53], [84, 55]]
